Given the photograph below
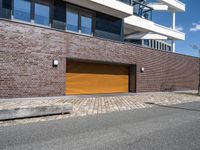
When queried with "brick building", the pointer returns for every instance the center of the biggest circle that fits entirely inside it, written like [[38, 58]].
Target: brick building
[[53, 54]]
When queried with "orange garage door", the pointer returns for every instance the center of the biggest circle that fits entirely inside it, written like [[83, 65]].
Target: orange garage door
[[95, 78]]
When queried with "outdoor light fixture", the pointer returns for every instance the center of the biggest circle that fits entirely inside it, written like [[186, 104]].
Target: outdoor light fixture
[[142, 69], [55, 63]]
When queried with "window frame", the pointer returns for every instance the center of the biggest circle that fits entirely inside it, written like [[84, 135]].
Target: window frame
[[32, 14], [111, 21], [13, 15], [146, 43], [50, 4], [81, 12], [157, 45], [163, 45], [85, 14], [33, 11], [154, 44], [73, 8]]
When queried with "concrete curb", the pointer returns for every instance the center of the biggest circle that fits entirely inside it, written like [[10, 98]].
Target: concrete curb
[[23, 112]]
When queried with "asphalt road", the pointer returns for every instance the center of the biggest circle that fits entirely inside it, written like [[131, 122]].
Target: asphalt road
[[158, 128]]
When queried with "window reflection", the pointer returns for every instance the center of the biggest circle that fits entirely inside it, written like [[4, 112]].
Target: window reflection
[[42, 13], [22, 10], [86, 25], [72, 20], [108, 24]]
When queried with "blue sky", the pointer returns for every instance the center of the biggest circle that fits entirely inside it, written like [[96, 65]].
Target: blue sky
[[188, 22]]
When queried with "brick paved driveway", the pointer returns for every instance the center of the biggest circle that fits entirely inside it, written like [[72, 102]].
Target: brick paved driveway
[[92, 105]]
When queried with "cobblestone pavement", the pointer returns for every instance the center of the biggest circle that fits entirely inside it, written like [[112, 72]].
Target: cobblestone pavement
[[92, 105]]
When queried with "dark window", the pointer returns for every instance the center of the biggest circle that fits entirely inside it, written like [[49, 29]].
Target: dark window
[[86, 24], [6, 7], [72, 20], [138, 42], [7, 4], [154, 44], [22, 10], [169, 48], [41, 14], [146, 42], [108, 23], [151, 43], [157, 45], [1, 8], [163, 46], [59, 17]]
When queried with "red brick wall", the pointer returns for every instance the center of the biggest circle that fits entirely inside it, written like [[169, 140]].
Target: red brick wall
[[27, 52]]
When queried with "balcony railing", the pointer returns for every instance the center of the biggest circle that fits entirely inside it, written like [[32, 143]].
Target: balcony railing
[[140, 8]]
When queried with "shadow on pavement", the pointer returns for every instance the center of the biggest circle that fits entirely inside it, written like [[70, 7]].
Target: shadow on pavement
[[173, 107]]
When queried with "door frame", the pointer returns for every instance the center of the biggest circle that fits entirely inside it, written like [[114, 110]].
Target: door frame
[[132, 85]]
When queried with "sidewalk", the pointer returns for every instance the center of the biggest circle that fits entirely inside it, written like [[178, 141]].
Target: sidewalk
[[92, 105]]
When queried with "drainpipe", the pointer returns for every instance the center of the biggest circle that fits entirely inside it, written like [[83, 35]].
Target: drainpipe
[[174, 28]]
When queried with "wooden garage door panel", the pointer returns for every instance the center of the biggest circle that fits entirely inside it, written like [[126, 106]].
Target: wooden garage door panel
[[91, 78]]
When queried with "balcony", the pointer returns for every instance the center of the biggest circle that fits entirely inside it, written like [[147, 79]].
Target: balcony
[[159, 6], [137, 24], [175, 5], [140, 8], [111, 7]]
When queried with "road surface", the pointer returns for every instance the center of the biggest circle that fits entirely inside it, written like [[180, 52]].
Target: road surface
[[157, 128]]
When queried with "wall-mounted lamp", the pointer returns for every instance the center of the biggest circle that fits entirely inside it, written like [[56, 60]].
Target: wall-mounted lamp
[[142, 69], [55, 63]]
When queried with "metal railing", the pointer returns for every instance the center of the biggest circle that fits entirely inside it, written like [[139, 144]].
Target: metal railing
[[140, 8]]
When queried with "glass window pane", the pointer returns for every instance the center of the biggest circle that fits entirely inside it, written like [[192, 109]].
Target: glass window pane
[[146, 42], [86, 25], [6, 6], [72, 20], [108, 24], [59, 15], [22, 10], [41, 14]]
